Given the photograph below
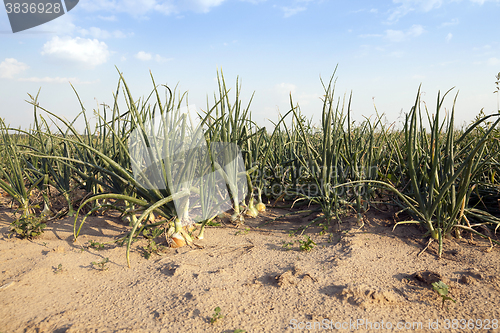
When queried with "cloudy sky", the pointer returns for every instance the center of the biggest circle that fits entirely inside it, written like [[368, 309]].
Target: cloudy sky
[[384, 50]]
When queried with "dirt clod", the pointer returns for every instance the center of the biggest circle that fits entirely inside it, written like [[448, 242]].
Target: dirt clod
[[427, 277], [465, 279], [365, 296]]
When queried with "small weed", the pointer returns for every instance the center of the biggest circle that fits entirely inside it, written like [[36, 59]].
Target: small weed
[[96, 245], [242, 232], [101, 265], [306, 245], [442, 289], [153, 233], [330, 238], [214, 224], [152, 247], [59, 269], [287, 245], [239, 331], [216, 316], [29, 226]]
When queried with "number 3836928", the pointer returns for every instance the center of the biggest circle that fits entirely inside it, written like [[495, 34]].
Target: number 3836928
[[24, 8]]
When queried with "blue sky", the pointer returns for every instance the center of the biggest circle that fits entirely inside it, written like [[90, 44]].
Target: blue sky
[[384, 50]]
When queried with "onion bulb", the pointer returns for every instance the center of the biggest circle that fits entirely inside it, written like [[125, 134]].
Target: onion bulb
[[237, 218], [178, 240], [251, 211]]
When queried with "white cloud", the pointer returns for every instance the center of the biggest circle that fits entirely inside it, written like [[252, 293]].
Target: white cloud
[[64, 26], [449, 36], [255, 2], [406, 6], [416, 30], [87, 52], [454, 21], [98, 33], [144, 56], [396, 54], [132, 7], [428, 5], [400, 36], [364, 51], [370, 35], [140, 8], [11, 67], [161, 59], [286, 88], [450, 63], [395, 35], [481, 2], [110, 18], [56, 80], [290, 11], [202, 6], [308, 99], [486, 47], [165, 8], [493, 61]]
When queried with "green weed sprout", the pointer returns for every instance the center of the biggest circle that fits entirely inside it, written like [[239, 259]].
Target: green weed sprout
[[28, 226], [307, 245], [59, 269], [242, 232], [152, 247], [101, 264], [216, 316], [442, 289], [96, 245]]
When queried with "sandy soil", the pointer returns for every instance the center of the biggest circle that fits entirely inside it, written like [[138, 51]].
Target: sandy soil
[[354, 281]]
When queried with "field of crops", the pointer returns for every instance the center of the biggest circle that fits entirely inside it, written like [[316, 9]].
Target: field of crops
[[164, 174]]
